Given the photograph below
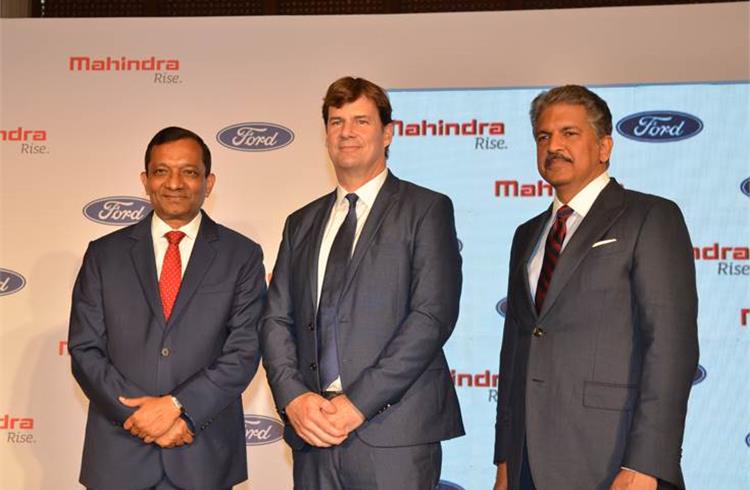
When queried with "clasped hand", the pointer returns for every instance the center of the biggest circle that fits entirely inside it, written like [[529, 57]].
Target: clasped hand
[[156, 420], [321, 422]]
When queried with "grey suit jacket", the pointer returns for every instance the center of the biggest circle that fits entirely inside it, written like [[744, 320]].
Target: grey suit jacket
[[604, 382], [398, 307], [205, 355]]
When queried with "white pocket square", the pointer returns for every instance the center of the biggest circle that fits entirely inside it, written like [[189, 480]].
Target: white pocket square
[[604, 242]]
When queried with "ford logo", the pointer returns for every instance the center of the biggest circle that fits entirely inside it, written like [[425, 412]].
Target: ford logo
[[446, 485], [118, 210], [10, 282], [700, 375], [747, 439], [659, 126], [460, 245], [502, 307], [745, 187], [255, 136], [260, 430]]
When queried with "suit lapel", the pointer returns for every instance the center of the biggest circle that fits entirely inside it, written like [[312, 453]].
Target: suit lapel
[[142, 255], [201, 257], [316, 233], [605, 210], [536, 227], [387, 196]]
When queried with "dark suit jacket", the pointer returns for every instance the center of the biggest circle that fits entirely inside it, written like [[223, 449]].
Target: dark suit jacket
[[605, 381], [205, 356], [398, 307]]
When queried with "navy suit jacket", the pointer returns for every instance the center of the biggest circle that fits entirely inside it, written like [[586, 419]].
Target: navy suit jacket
[[398, 307], [205, 355], [600, 378]]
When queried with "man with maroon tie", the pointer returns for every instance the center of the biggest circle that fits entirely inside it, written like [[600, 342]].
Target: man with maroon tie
[[163, 335], [600, 339]]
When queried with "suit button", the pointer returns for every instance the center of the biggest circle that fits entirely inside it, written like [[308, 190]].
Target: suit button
[[165, 352], [313, 365], [538, 332], [311, 326]]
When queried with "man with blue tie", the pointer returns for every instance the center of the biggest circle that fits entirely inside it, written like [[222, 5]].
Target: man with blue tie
[[600, 339], [163, 335], [365, 292]]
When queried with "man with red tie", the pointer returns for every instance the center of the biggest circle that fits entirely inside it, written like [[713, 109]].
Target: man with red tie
[[163, 335], [600, 339]]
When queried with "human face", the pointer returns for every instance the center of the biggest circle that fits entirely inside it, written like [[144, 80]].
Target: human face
[[569, 153], [356, 140], [176, 181]]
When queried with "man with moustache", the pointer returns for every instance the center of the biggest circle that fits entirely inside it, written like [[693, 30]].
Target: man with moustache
[[163, 335], [600, 340], [365, 292]]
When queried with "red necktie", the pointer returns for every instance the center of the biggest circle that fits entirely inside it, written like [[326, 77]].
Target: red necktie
[[171, 272], [552, 249]]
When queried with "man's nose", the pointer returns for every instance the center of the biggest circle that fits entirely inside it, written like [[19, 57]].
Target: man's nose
[[175, 180]]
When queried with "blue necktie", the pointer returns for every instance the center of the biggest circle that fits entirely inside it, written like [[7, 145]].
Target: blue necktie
[[333, 282]]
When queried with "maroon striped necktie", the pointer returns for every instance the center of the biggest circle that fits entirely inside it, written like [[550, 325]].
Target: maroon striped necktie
[[552, 249]]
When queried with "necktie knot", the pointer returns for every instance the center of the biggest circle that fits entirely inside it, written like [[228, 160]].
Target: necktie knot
[[174, 237], [352, 198], [564, 212]]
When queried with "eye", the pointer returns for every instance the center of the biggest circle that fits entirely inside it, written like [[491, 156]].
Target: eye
[[542, 137], [159, 171], [190, 172]]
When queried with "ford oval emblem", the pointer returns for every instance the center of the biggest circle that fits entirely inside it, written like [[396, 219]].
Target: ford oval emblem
[[745, 187], [659, 126], [117, 210], [460, 245], [747, 439], [502, 307], [10, 282], [700, 374], [255, 136], [260, 430], [446, 485]]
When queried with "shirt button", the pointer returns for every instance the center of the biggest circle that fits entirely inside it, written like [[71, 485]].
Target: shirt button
[[313, 365], [165, 352], [311, 326], [538, 332]]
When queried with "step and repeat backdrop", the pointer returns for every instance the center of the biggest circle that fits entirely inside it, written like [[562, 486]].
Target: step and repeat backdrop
[[79, 100]]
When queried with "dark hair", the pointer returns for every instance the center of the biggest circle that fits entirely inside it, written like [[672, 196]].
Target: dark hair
[[348, 89], [596, 108], [174, 133]]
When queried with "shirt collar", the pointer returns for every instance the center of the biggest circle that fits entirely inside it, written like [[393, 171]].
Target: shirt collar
[[367, 193], [582, 202], [159, 228]]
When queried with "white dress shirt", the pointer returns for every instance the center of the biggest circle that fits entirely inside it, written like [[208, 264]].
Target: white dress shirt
[[158, 231], [581, 204], [365, 199]]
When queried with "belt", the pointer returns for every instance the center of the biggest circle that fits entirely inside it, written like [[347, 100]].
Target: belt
[[329, 395]]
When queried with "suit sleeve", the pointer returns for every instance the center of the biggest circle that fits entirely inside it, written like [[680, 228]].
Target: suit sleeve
[[211, 390], [278, 342], [507, 365], [663, 282], [87, 343], [433, 310]]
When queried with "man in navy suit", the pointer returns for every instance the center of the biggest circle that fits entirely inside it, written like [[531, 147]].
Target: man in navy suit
[[365, 292], [163, 335], [600, 341]]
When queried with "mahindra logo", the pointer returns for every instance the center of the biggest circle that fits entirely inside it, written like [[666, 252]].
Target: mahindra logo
[[745, 187], [513, 188], [21, 134], [119, 210], [123, 63], [446, 485], [700, 375], [10, 282], [255, 136], [260, 430], [502, 307], [721, 252], [14, 423], [448, 128], [659, 126]]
